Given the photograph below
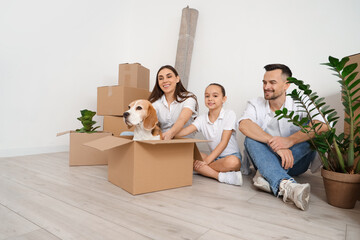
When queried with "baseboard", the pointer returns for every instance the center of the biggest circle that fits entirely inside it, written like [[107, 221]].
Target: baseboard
[[32, 151]]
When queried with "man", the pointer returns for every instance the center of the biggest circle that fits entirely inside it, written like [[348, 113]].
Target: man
[[277, 148]]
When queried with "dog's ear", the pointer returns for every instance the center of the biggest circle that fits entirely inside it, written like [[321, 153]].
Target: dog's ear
[[151, 119]]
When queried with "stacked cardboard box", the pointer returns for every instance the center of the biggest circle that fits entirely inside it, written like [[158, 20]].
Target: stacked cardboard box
[[139, 166], [113, 101], [136, 166]]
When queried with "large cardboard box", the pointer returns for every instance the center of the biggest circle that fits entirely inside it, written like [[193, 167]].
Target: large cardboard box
[[115, 125], [134, 75], [81, 155], [147, 166], [353, 59], [114, 100]]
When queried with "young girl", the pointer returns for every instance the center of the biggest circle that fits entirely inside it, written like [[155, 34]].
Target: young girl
[[219, 126], [175, 106]]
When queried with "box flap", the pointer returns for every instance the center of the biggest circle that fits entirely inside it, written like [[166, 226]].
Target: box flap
[[173, 141], [62, 133], [107, 143]]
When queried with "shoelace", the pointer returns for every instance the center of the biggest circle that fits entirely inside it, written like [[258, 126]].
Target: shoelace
[[286, 190]]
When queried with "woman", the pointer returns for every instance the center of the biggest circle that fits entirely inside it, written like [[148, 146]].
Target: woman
[[175, 106]]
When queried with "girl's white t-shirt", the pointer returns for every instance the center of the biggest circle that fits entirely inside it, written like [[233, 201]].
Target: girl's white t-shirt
[[213, 131]]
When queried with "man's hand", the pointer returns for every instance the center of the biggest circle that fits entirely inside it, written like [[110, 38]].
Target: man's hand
[[277, 143], [287, 159], [198, 164]]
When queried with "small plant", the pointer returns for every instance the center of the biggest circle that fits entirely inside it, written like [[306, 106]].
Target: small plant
[[338, 152], [87, 122]]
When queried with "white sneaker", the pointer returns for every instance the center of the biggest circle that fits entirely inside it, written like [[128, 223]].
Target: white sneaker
[[296, 192], [234, 178], [261, 183]]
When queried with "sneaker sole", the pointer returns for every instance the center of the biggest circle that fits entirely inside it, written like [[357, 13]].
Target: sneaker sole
[[240, 180], [303, 199], [262, 184]]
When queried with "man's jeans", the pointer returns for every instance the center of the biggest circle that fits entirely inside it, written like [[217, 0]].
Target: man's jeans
[[269, 163]]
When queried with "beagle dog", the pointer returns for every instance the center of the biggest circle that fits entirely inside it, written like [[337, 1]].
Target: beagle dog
[[142, 115]]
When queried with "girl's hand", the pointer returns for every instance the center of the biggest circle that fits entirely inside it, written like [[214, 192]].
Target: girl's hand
[[207, 160], [198, 164]]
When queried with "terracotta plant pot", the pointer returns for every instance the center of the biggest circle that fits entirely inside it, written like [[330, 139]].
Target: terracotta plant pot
[[342, 190]]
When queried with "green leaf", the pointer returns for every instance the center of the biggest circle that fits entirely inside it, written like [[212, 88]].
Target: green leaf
[[356, 106], [348, 69], [333, 61], [278, 112], [326, 64], [350, 78], [303, 121], [357, 117], [354, 84], [291, 114], [353, 93], [342, 63]]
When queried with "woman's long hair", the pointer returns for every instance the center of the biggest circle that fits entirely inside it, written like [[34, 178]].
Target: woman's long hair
[[180, 94]]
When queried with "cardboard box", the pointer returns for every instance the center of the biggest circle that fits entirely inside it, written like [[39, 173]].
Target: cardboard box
[[115, 125], [114, 100], [81, 155], [134, 75], [147, 166], [355, 59]]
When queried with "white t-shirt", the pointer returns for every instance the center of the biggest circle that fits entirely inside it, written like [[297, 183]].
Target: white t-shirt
[[273, 127], [214, 131], [167, 116], [258, 110]]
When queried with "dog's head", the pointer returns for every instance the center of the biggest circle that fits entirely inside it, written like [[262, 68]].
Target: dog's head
[[141, 111]]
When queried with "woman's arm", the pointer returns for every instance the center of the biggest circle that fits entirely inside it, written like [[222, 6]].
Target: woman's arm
[[225, 137], [184, 116]]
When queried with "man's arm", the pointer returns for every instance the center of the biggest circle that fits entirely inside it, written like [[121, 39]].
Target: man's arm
[[253, 131], [277, 143]]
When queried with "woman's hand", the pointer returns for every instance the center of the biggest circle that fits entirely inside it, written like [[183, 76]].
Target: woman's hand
[[167, 135]]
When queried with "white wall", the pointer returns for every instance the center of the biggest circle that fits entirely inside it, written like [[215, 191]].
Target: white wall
[[54, 54]]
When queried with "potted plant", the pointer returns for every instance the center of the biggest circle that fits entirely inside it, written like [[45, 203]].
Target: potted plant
[[79, 154], [86, 120], [339, 152]]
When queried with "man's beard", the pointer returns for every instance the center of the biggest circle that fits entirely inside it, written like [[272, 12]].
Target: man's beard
[[272, 97]]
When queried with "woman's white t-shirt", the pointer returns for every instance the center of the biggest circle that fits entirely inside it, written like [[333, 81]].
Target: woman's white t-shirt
[[168, 115]]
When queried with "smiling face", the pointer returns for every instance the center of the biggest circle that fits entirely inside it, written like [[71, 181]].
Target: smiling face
[[274, 84], [167, 81], [214, 98]]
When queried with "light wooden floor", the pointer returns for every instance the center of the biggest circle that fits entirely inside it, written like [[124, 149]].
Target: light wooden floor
[[42, 198]]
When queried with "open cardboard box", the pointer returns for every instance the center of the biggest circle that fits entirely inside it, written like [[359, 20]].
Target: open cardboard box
[[81, 155], [147, 166]]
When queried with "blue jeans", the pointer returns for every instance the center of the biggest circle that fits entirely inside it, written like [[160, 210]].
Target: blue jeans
[[268, 162]]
